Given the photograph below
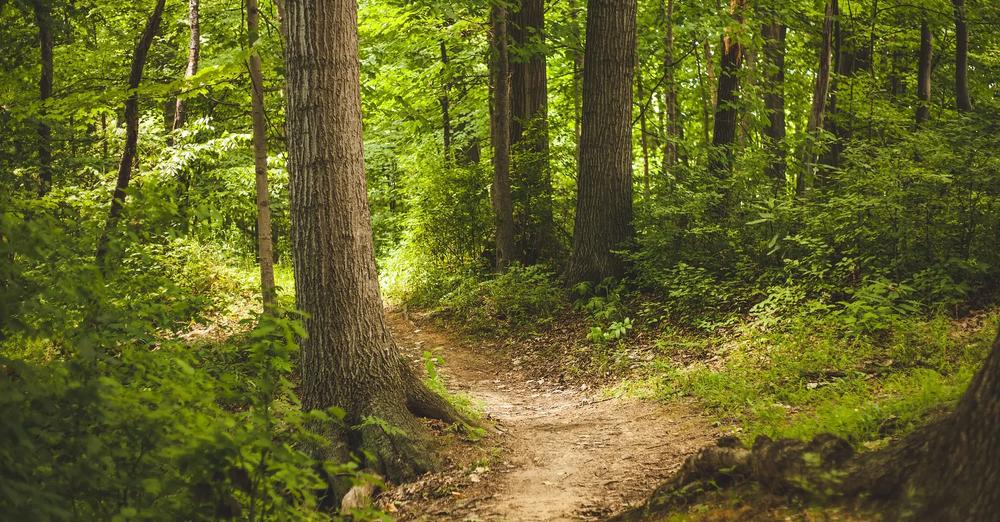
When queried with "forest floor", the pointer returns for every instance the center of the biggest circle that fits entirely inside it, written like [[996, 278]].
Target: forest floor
[[552, 451]]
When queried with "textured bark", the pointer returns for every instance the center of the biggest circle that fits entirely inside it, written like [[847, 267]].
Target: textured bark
[[604, 186], [349, 358], [530, 175], [503, 213], [924, 66], [726, 114], [194, 54], [821, 89], [131, 130], [774, 101], [962, 99], [670, 101], [265, 250], [43, 18]]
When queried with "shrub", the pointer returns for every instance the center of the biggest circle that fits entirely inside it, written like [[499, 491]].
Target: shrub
[[516, 298]]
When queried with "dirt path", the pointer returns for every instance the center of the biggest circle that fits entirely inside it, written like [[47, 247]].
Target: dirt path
[[563, 453]]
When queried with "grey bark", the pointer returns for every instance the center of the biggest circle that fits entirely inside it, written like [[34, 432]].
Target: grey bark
[[265, 249], [194, 55], [604, 186], [501, 198]]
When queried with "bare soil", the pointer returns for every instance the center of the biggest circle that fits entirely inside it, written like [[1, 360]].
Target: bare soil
[[553, 451]]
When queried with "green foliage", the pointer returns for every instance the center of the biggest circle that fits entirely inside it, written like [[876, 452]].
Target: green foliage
[[520, 297], [808, 378]]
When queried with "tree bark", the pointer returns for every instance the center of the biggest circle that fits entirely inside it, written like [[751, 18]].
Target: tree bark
[[349, 358], [924, 66], [265, 250], [643, 132], [604, 186], [821, 89], [724, 129], [194, 54], [773, 33], [43, 18], [503, 213], [530, 175], [131, 131], [670, 102], [962, 99]]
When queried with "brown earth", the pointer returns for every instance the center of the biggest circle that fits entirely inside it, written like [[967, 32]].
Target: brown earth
[[553, 451]]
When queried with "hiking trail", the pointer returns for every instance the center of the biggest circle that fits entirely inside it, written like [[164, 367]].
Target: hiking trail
[[561, 452]]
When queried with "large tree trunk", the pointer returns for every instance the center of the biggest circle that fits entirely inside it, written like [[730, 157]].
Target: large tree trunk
[[962, 99], [604, 185], [131, 130], [530, 177], [724, 130], [670, 102], [924, 66], [43, 18], [503, 214], [773, 34], [821, 89], [349, 358], [194, 54], [265, 250]]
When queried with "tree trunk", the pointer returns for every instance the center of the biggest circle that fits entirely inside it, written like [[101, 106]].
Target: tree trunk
[[604, 187], [670, 103], [724, 130], [131, 131], [774, 101], [349, 358], [530, 175], [962, 99], [924, 66], [43, 18], [445, 104], [643, 138], [821, 89], [194, 53], [503, 213], [265, 250]]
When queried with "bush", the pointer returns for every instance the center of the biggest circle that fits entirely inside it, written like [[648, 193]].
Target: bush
[[516, 298]]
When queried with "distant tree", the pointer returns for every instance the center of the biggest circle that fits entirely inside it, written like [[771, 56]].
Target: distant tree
[[349, 358], [530, 175], [671, 103], [265, 250], [194, 54], [43, 18], [131, 130], [604, 185], [962, 99], [821, 89], [500, 126], [724, 129], [773, 33], [924, 69]]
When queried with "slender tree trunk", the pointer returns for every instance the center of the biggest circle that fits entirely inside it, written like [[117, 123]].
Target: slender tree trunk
[[194, 54], [821, 89], [706, 106], [131, 131], [773, 34], [265, 250], [349, 358], [43, 18], [577, 56], [604, 188], [670, 103], [445, 103], [962, 99], [503, 213], [924, 65], [726, 113], [643, 136], [710, 71], [530, 176]]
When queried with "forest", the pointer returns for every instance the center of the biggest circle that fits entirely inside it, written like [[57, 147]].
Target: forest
[[499, 260]]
